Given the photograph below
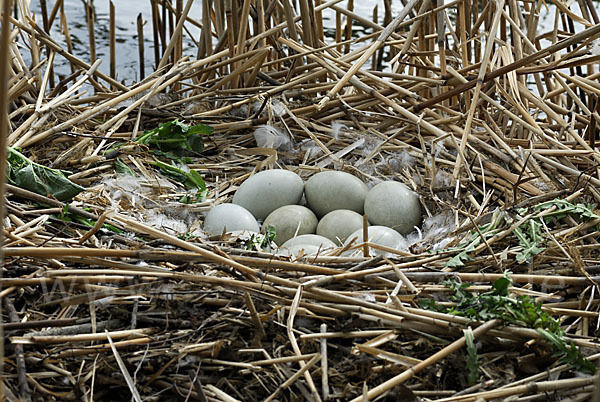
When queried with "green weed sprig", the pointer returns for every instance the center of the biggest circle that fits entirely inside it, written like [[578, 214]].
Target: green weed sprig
[[520, 311]]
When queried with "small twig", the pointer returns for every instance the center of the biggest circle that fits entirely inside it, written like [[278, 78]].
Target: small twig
[[20, 355], [128, 379]]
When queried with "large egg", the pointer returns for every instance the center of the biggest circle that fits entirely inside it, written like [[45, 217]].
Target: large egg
[[296, 249], [339, 224], [381, 235], [331, 190], [229, 217], [394, 205], [310, 239], [268, 190], [290, 220]]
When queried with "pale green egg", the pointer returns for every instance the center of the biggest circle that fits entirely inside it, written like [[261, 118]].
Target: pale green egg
[[290, 220], [394, 205], [332, 190], [339, 224], [268, 190], [229, 217], [310, 239], [381, 235], [297, 249]]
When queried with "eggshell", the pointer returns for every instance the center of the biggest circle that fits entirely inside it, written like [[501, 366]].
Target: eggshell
[[339, 224], [310, 239], [230, 217], [331, 190], [268, 190], [381, 235], [394, 205], [290, 220]]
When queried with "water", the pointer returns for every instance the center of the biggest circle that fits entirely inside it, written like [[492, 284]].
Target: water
[[126, 13]]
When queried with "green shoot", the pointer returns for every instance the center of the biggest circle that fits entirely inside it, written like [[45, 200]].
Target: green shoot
[[191, 179], [472, 360], [530, 235]]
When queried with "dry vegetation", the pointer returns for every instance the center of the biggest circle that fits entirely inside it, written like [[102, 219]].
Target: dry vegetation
[[116, 294]]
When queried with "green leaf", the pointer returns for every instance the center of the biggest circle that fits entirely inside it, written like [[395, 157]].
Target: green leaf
[[191, 179], [122, 168], [195, 143], [39, 179], [200, 129], [271, 233], [501, 286], [458, 260], [175, 136], [195, 180]]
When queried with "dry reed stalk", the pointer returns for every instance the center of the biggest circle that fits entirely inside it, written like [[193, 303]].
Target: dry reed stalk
[[399, 379], [50, 339], [156, 29], [206, 47], [295, 377], [588, 34], [112, 42], [260, 12], [4, 128], [65, 29], [303, 365], [90, 17], [244, 31], [544, 386], [178, 49], [175, 36], [66, 54], [46, 24], [140, 35], [130, 382], [293, 34], [348, 25], [57, 5], [480, 79], [368, 54], [173, 240]]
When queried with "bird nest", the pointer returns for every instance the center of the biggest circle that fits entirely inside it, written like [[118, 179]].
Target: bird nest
[[116, 292]]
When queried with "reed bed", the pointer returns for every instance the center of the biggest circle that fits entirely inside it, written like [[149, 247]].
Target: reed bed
[[117, 294]]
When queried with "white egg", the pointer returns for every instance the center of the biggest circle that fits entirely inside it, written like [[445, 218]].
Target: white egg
[[331, 190], [394, 205], [339, 224], [290, 220], [268, 190], [381, 235], [296, 249], [310, 239], [229, 217]]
